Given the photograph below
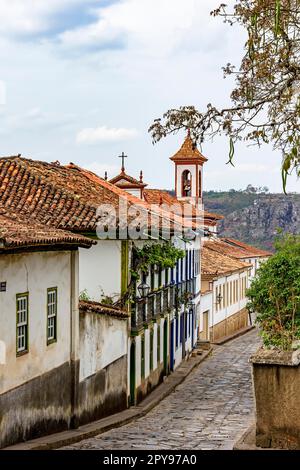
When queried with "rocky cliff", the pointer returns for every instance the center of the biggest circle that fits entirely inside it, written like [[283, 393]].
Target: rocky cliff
[[258, 221]]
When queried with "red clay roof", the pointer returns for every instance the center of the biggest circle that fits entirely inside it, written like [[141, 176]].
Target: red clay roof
[[159, 196], [216, 264], [65, 197], [130, 181], [234, 250], [255, 252], [188, 151], [95, 307], [17, 233]]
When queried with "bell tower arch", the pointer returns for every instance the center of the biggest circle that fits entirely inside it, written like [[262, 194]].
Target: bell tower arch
[[189, 172]]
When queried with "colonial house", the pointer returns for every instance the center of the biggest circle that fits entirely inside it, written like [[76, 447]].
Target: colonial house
[[240, 251], [164, 330], [69, 197], [225, 280], [39, 326]]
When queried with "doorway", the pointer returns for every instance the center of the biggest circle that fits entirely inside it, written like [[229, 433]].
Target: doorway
[[132, 373], [206, 325], [172, 345], [166, 346]]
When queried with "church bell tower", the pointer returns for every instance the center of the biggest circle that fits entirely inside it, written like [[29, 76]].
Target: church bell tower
[[189, 172]]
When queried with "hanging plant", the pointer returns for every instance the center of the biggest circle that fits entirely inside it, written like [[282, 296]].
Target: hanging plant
[[162, 256]]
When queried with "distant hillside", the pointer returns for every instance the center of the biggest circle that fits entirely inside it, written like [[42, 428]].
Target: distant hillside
[[253, 216]]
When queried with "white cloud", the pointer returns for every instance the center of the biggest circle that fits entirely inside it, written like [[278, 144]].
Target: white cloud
[[104, 134], [159, 26], [31, 16]]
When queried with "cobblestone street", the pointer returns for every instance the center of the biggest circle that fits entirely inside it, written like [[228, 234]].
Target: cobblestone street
[[209, 410]]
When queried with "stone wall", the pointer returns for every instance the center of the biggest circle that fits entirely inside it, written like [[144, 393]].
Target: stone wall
[[277, 398], [230, 325], [103, 393], [38, 407]]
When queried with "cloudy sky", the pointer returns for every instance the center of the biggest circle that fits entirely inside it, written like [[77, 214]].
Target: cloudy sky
[[82, 80]]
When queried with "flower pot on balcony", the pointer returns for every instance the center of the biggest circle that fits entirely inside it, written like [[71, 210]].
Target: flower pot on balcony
[[276, 379]]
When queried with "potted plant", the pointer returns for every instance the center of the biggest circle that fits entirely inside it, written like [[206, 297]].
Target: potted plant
[[275, 295]]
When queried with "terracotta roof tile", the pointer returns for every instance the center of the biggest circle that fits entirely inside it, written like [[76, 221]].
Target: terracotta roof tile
[[216, 264], [188, 151], [159, 196], [66, 197], [252, 251], [130, 181], [17, 232], [237, 250], [95, 307]]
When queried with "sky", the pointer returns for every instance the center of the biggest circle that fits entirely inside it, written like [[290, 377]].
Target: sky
[[82, 81]]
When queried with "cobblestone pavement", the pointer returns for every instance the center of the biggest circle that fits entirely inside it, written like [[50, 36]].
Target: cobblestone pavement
[[209, 410]]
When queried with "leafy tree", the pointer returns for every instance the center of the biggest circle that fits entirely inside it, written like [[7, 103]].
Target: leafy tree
[[265, 103], [275, 294]]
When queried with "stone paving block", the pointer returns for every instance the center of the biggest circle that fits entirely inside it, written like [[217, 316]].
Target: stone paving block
[[207, 411]]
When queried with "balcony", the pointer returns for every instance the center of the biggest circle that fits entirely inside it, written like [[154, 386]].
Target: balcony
[[158, 303], [151, 305], [166, 299], [137, 315]]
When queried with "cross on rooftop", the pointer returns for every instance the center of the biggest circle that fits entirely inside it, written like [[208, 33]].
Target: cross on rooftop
[[123, 156]]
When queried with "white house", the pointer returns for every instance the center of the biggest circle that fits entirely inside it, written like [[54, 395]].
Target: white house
[[223, 300], [39, 328]]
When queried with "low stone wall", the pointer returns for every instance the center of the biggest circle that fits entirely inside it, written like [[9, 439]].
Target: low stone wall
[[276, 378], [230, 325], [39, 407], [103, 393]]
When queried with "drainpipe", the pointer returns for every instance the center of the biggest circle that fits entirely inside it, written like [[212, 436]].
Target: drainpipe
[[74, 337]]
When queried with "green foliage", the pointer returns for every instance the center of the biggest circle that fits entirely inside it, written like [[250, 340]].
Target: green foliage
[[84, 296], [107, 300], [264, 105], [275, 294], [163, 256]]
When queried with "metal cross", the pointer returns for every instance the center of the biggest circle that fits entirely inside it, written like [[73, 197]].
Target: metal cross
[[123, 156]]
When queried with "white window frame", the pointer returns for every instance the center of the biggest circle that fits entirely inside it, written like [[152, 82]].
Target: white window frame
[[22, 323], [51, 315]]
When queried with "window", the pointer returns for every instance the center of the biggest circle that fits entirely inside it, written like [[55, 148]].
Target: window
[[159, 277], [186, 265], [193, 264], [181, 269], [166, 277], [142, 357], [181, 327], [152, 278], [22, 323], [177, 272], [186, 182], [52, 315], [151, 350], [172, 275]]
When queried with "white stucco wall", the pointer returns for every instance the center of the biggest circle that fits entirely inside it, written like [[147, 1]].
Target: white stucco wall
[[103, 340], [34, 273], [100, 269]]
